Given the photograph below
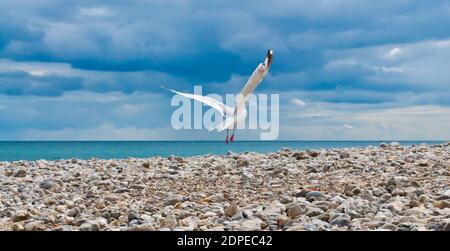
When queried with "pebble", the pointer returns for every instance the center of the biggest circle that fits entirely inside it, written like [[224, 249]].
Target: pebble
[[133, 216], [313, 195], [251, 225], [20, 173], [316, 225], [312, 211], [73, 212], [20, 216], [95, 224], [296, 210], [34, 226], [143, 227], [441, 204], [47, 184], [231, 210], [174, 199], [17, 227], [341, 220]]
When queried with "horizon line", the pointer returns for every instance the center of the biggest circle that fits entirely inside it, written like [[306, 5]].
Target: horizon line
[[301, 140]]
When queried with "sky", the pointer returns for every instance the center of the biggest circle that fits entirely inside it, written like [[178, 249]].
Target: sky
[[344, 69]]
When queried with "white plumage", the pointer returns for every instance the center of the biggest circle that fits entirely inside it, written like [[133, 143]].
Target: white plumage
[[233, 115]]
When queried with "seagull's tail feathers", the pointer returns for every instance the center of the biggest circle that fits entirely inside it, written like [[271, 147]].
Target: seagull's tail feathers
[[227, 123]]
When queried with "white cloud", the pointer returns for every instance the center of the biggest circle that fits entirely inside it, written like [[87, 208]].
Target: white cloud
[[37, 68], [392, 69], [328, 121], [349, 127], [392, 53], [298, 102], [96, 12]]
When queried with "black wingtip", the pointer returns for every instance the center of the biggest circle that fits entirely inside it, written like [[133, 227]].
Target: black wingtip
[[269, 57]]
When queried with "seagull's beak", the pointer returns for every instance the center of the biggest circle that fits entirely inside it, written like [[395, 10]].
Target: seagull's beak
[[269, 58]]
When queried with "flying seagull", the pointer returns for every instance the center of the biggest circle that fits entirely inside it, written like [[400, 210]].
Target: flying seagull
[[233, 115]]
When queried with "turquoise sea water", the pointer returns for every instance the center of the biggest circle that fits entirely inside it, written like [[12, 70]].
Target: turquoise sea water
[[51, 150]]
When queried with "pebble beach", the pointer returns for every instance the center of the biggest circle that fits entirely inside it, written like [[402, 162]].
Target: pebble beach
[[388, 187]]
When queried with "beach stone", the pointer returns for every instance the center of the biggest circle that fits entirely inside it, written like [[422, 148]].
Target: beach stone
[[143, 227], [216, 198], [313, 211], [396, 206], [443, 197], [296, 210], [383, 145], [17, 227], [231, 210], [237, 217], [20, 216], [282, 221], [133, 216], [47, 184], [414, 203], [423, 198], [121, 190], [251, 225], [317, 225], [313, 154], [95, 224], [344, 155], [300, 156], [243, 163], [169, 222], [34, 226], [275, 208], [419, 192], [247, 213], [341, 220], [441, 204], [20, 173], [174, 199], [285, 199], [66, 228], [351, 190], [423, 163], [313, 195], [377, 192], [390, 188], [390, 227], [73, 212]]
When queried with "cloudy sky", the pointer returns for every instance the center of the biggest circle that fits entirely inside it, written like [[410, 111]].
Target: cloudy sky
[[347, 69]]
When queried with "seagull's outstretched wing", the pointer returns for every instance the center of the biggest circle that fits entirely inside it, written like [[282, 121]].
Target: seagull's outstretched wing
[[257, 75], [219, 106]]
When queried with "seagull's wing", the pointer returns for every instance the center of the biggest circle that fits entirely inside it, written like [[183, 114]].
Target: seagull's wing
[[257, 76], [219, 106]]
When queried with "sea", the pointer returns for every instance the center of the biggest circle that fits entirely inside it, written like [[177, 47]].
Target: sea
[[54, 150]]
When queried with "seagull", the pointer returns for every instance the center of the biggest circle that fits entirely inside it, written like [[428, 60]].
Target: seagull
[[233, 115]]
